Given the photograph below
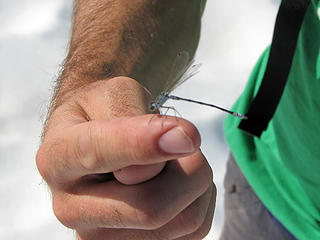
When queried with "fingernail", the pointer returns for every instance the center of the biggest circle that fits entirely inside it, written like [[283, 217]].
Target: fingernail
[[176, 141]]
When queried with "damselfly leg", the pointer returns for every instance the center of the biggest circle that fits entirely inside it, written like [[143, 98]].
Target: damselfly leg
[[157, 105]]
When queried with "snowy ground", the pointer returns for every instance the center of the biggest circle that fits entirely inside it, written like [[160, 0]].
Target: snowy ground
[[33, 39]]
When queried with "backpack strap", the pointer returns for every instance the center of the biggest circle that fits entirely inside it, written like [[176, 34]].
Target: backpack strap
[[285, 38]]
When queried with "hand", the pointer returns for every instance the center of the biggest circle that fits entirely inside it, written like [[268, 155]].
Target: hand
[[100, 129]]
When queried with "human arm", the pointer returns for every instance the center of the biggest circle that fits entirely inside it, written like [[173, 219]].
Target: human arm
[[95, 128], [139, 39]]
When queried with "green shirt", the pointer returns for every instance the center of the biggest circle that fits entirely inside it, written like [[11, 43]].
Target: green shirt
[[283, 166]]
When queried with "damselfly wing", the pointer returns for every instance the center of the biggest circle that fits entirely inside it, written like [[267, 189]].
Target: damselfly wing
[[182, 69]]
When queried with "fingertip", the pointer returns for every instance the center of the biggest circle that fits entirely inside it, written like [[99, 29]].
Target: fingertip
[[178, 136], [176, 141], [169, 135]]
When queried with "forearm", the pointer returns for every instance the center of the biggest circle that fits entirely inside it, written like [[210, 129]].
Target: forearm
[[135, 38]]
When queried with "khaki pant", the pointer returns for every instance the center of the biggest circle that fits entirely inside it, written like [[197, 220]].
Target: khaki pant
[[246, 218]]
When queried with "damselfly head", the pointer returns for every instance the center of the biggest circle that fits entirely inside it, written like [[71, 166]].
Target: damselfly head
[[164, 94], [152, 106]]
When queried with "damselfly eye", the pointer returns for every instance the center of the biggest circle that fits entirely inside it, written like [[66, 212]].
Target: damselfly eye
[[152, 107]]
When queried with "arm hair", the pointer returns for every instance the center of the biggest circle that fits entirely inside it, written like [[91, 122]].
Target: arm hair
[[134, 38]]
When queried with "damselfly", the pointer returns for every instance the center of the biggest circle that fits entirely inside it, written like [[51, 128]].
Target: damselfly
[[182, 70]]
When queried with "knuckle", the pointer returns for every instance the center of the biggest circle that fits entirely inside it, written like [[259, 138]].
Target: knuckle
[[205, 227], [214, 189], [50, 157], [90, 150], [116, 218], [86, 145], [41, 163], [58, 154], [192, 219], [123, 93], [206, 174], [202, 232], [149, 218], [110, 217], [159, 235], [64, 212], [151, 214], [209, 175]]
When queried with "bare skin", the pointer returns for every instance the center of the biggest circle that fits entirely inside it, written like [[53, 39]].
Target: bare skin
[[113, 173]]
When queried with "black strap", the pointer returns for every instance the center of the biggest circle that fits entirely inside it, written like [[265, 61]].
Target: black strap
[[285, 37]]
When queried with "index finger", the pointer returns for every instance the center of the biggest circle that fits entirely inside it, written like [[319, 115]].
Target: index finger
[[108, 145]]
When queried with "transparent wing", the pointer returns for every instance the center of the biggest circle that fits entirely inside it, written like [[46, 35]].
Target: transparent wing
[[182, 70], [178, 67], [189, 73]]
